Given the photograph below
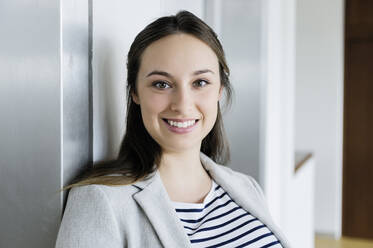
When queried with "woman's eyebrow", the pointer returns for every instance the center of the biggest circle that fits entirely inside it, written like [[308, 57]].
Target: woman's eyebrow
[[203, 71], [166, 74], [162, 73]]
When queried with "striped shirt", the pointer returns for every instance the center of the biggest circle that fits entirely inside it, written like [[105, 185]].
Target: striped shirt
[[220, 222]]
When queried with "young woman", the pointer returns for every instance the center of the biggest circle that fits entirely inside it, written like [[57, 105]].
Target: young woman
[[166, 188]]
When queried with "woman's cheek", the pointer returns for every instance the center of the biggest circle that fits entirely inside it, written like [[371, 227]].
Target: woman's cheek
[[209, 100], [154, 105]]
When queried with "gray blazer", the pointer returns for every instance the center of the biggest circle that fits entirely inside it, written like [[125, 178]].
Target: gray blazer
[[142, 215]]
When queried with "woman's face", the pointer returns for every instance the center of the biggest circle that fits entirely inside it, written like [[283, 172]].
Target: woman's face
[[178, 89]]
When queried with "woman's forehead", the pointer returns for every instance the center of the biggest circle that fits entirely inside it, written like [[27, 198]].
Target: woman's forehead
[[179, 52]]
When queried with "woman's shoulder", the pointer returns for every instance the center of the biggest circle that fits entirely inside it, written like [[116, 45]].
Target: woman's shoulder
[[99, 192], [91, 216]]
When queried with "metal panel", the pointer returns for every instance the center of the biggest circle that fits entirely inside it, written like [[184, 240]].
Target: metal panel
[[76, 87], [39, 135]]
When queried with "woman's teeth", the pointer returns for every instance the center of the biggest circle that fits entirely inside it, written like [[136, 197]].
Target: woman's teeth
[[181, 124]]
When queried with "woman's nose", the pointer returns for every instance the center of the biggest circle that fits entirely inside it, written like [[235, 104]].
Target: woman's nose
[[182, 100]]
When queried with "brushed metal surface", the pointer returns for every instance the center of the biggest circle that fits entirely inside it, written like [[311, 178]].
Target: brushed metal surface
[[40, 139], [30, 122], [76, 88]]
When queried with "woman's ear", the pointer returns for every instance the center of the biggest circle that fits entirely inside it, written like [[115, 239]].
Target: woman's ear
[[135, 98]]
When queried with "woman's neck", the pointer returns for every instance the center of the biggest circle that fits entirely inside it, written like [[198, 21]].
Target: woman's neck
[[184, 176]]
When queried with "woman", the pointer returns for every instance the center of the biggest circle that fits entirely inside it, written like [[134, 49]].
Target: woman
[[169, 190]]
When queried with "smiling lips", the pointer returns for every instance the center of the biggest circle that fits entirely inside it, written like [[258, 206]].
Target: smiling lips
[[181, 126]]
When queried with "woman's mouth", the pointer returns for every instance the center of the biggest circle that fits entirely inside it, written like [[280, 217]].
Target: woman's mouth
[[180, 126]]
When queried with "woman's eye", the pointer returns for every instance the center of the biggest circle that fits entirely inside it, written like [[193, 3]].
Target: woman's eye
[[201, 83], [161, 85]]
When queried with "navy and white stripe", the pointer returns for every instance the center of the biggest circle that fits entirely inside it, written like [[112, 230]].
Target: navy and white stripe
[[220, 222]]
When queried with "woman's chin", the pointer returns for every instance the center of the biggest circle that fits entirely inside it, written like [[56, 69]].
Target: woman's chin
[[180, 147]]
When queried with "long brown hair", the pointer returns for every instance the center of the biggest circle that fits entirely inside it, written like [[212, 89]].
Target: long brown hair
[[139, 153]]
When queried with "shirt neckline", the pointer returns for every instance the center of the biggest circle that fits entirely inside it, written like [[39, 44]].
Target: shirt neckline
[[197, 205]]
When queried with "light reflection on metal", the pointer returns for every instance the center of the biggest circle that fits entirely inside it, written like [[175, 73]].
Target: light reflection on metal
[[44, 127]]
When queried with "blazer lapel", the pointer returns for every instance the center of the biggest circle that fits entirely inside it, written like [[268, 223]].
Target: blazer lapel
[[155, 202], [244, 195]]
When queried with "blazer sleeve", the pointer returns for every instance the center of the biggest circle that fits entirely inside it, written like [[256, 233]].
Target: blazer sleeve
[[88, 221]]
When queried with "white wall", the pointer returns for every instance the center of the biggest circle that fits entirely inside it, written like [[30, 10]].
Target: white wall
[[277, 107], [301, 231], [319, 103]]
